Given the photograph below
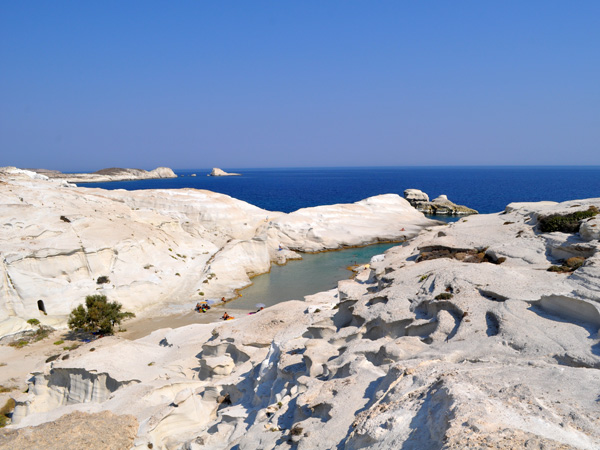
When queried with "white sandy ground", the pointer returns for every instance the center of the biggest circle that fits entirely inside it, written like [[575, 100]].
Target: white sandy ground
[[17, 363]]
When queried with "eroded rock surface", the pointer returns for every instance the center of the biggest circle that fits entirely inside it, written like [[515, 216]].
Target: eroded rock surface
[[414, 353]]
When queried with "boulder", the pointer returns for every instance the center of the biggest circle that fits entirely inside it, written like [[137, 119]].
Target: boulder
[[415, 196]]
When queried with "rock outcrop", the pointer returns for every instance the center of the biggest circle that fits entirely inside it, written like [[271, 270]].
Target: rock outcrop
[[148, 249], [459, 338], [216, 172], [439, 206], [112, 174]]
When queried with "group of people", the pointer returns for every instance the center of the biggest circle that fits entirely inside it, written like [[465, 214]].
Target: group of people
[[202, 307]]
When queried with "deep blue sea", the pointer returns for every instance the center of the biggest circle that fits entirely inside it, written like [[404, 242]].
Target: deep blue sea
[[486, 189]]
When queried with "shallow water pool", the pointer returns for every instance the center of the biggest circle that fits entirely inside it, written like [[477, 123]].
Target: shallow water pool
[[316, 272]]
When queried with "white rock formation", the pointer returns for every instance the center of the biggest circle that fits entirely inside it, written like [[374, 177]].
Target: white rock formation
[[459, 338], [158, 247], [112, 174], [415, 195], [439, 206], [216, 172]]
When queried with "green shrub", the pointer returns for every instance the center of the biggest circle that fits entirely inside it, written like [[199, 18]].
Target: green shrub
[[20, 343], [8, 408], [33, 322], [59, 342], [570, 265], [444, 296], [102, 280], [566, 223], [98, 315]]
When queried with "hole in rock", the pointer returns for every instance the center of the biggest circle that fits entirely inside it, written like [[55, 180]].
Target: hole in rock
[[493, 324]]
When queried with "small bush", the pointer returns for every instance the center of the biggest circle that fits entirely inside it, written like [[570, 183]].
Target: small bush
[[444, 296], [570, 265], [575, 262], [98, 315], [33, 322], [20, 343], [59, 342], [102, 280], [296, 430], [8, 408], [567, 223]]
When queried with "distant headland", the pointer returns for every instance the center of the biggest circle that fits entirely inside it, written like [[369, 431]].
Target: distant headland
[[111, 174]]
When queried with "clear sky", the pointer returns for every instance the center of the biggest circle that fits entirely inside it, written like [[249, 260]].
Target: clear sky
[[192, 84]]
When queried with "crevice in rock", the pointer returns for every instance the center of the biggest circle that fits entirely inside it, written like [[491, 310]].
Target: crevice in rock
[[493, 324], [490, 295], [378, 329]]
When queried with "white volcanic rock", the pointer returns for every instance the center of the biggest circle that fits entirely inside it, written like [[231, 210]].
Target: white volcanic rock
[[439, 206], [433, 346], [158, 247], [382, 218], [112, 174], [216, 172], [415, 195], [590, 229]]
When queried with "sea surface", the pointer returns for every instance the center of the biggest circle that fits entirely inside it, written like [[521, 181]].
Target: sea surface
[[314, 273], [486, 189]]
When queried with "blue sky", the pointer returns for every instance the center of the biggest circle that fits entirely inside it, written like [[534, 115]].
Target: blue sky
[[191, 84]]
